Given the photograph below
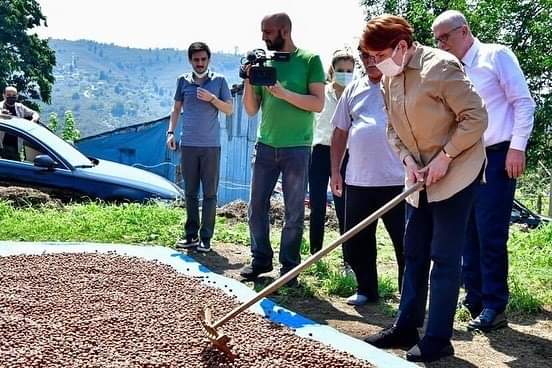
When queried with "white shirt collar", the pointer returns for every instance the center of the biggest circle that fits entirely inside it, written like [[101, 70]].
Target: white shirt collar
[[469, 57]]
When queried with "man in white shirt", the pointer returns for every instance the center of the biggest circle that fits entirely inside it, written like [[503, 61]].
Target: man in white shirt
[[499, 80]]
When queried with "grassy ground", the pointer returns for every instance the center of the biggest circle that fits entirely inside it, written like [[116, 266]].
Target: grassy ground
[[524, 343], [530, 252]]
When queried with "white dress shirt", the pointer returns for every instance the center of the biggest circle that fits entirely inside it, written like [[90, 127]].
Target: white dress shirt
[[499, 80], [323, 128]]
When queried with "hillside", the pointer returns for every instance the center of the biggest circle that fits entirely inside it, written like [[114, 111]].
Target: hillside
[[108, 86]]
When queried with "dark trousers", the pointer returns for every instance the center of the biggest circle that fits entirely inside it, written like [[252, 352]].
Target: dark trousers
[[361, 250], [485, 261], [435, 232], [200, 165], [293, 164], [319, 175]]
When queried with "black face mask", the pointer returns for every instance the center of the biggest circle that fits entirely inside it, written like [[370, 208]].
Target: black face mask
[[10, 100]]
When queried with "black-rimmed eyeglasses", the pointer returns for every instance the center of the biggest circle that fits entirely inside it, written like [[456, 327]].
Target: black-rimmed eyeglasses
[[366, 56], [445, 36]]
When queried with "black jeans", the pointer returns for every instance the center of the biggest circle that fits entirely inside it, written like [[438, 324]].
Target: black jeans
[[319, 175], [200, 164], [361, 250], [435, 232]]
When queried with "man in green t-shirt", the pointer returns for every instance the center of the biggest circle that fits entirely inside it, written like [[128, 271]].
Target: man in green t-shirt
[[283, 145]]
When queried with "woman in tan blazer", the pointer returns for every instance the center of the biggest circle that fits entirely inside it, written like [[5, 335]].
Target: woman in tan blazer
[[436, 124]]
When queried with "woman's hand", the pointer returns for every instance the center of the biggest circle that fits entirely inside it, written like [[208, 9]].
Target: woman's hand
[[436, 169], [413, 174]]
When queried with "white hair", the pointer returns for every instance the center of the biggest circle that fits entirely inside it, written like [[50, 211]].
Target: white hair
[[450, 17]]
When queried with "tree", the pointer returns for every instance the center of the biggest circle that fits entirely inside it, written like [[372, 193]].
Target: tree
[[53, 122], [70, 132], [26, 61], [523, 25]]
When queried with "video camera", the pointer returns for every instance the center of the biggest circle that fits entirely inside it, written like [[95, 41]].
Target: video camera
[[259, 74]]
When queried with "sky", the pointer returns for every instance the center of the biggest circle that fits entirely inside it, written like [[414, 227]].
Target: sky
[[320, 26]]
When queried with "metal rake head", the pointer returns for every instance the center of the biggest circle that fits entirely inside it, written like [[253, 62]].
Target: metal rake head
[[218, 339]]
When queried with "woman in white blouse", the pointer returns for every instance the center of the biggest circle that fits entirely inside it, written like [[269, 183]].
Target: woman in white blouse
[[340, 74]]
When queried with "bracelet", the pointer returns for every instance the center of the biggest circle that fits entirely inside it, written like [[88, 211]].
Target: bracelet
[[446, 154]]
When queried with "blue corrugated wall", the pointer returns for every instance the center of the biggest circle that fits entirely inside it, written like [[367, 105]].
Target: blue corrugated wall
[[143, 145]]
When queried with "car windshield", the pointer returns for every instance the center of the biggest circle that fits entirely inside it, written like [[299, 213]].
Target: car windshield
[[61, 147]]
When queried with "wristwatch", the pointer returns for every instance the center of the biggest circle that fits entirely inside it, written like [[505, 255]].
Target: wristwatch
[[170, 132]]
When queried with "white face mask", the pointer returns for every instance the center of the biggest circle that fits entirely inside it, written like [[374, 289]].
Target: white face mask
[[201, 75], [388, 67], [343, 78]]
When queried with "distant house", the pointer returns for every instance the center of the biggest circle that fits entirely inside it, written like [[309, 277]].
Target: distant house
[[143, 146]]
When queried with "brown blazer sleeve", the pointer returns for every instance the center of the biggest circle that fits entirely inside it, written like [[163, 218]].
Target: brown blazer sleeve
[[471, 115]]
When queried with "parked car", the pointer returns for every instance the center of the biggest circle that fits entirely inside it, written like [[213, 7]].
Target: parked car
[[33, 156]]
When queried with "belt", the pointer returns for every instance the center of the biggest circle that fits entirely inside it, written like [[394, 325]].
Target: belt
[[502, 146]]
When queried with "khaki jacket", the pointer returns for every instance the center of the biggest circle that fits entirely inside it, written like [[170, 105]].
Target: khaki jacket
[[432, 105]]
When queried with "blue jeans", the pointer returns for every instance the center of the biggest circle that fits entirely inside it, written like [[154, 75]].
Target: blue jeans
[[435, 232], [293, 164], [485, 261]]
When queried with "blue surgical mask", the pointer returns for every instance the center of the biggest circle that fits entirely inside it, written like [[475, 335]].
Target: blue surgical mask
[[343, 78]]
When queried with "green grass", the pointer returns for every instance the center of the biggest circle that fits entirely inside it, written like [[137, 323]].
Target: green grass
[[530, 252], [530, 277], [95, 222], [229, 232]]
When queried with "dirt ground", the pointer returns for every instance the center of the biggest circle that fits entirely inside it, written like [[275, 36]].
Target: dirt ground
[[526, 342], [25, 197]]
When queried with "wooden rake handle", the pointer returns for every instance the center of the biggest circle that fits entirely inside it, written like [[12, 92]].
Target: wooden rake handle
[[321, 253]]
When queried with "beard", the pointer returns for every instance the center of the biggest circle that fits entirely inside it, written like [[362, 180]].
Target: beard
[[277, 44]]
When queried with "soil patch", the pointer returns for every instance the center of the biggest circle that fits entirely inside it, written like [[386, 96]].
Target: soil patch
[[237, 211], [26, 197]]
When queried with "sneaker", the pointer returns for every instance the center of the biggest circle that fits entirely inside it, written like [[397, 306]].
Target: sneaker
[[204, 246], [359, 299], [394, 338], [488, 320], [189, 242], [430, 350], [251, 273]]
